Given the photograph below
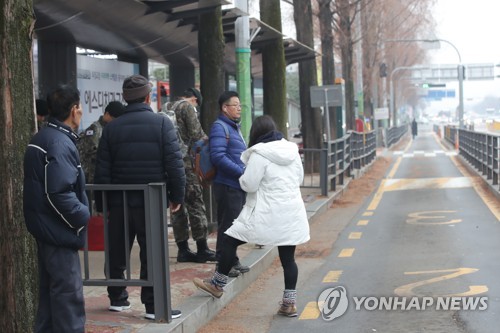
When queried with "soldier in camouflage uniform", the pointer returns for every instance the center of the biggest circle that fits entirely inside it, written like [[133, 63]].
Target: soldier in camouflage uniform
[[193, 210], [89, 139]]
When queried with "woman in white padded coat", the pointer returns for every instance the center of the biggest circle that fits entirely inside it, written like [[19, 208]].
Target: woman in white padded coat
[[274, 212]]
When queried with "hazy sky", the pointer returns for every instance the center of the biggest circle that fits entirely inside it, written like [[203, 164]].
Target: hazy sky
[[472, 27]]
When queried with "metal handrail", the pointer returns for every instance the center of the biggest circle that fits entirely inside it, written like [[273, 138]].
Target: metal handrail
[[155, 208], [481, 150], [337, 160]]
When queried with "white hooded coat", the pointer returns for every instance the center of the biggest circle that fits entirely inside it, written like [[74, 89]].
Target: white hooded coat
[[274, 212]]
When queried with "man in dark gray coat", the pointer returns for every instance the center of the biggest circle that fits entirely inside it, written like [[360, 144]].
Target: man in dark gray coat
[[139, 147]]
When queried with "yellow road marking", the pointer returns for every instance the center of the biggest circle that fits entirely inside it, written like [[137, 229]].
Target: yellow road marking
[[346, 253], [377, 197], [491, 202], [363, 222], [355, 235], [398, 162], [311, 311], [426, 183], [421, 217], [407, 290], [394, 168], [332, 276], [368, 214]]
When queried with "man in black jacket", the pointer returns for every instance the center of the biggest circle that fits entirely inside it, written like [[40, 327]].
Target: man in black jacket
[[139, 147], [56, 213]]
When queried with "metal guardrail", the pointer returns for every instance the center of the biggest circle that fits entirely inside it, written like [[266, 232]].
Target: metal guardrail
[[155, 208], [450, 134], [394, 134], [336, 160], [482, 151], [363, 148], [339, 161]]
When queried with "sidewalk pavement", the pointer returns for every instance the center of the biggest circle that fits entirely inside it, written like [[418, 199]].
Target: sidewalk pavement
[[197, 308]]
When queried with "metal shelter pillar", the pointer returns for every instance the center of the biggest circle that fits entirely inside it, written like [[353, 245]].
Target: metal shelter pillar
[[56, 64]]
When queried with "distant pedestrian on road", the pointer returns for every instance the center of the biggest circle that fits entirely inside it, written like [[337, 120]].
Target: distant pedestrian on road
[[274, 212], [414, 128], [56, 213], [139, 147]]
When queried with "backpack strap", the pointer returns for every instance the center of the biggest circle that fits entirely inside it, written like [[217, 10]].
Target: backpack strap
[[224, 126]]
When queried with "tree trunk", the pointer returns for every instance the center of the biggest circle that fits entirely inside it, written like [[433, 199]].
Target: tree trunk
[[325, 16], [211, 54], [311, 118], [18, 277], [273, 67], [211, 48], [311, 127], [346, 45]]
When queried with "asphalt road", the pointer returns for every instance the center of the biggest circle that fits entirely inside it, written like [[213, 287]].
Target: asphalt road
[[416, 225], [420, 255]]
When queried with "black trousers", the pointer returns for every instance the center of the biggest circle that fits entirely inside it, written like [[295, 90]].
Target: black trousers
[[117, 260], [61, 306], [286, 254], [230, 202]]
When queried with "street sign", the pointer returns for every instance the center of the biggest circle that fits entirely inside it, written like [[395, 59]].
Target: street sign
[[449, 72], [334, 96], [381, 113], [479, 72]]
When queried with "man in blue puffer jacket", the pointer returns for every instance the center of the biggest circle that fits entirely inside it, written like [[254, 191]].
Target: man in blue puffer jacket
[[225, 155], [56, 213]]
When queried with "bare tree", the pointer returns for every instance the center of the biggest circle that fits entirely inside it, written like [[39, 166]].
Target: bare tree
[[325, 14], [18, 277], [311, 118], [381, 20], [346, 12], [273, 66], [386, 20]]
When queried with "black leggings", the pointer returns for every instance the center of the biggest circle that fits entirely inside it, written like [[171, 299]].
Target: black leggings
[[286, 253], [290, 269]]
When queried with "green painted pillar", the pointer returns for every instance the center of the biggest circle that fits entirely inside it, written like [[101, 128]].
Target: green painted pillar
[[243, 80]]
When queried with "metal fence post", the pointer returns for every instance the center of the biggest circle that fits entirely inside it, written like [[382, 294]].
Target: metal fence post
[[323, 171], [158, 266]]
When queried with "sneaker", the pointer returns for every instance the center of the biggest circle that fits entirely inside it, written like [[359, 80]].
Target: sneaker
[[207, 287], [205, 255], [234, 273], [288, 310], [186, 256], [119, 306], [175, 314], [239, 267]]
